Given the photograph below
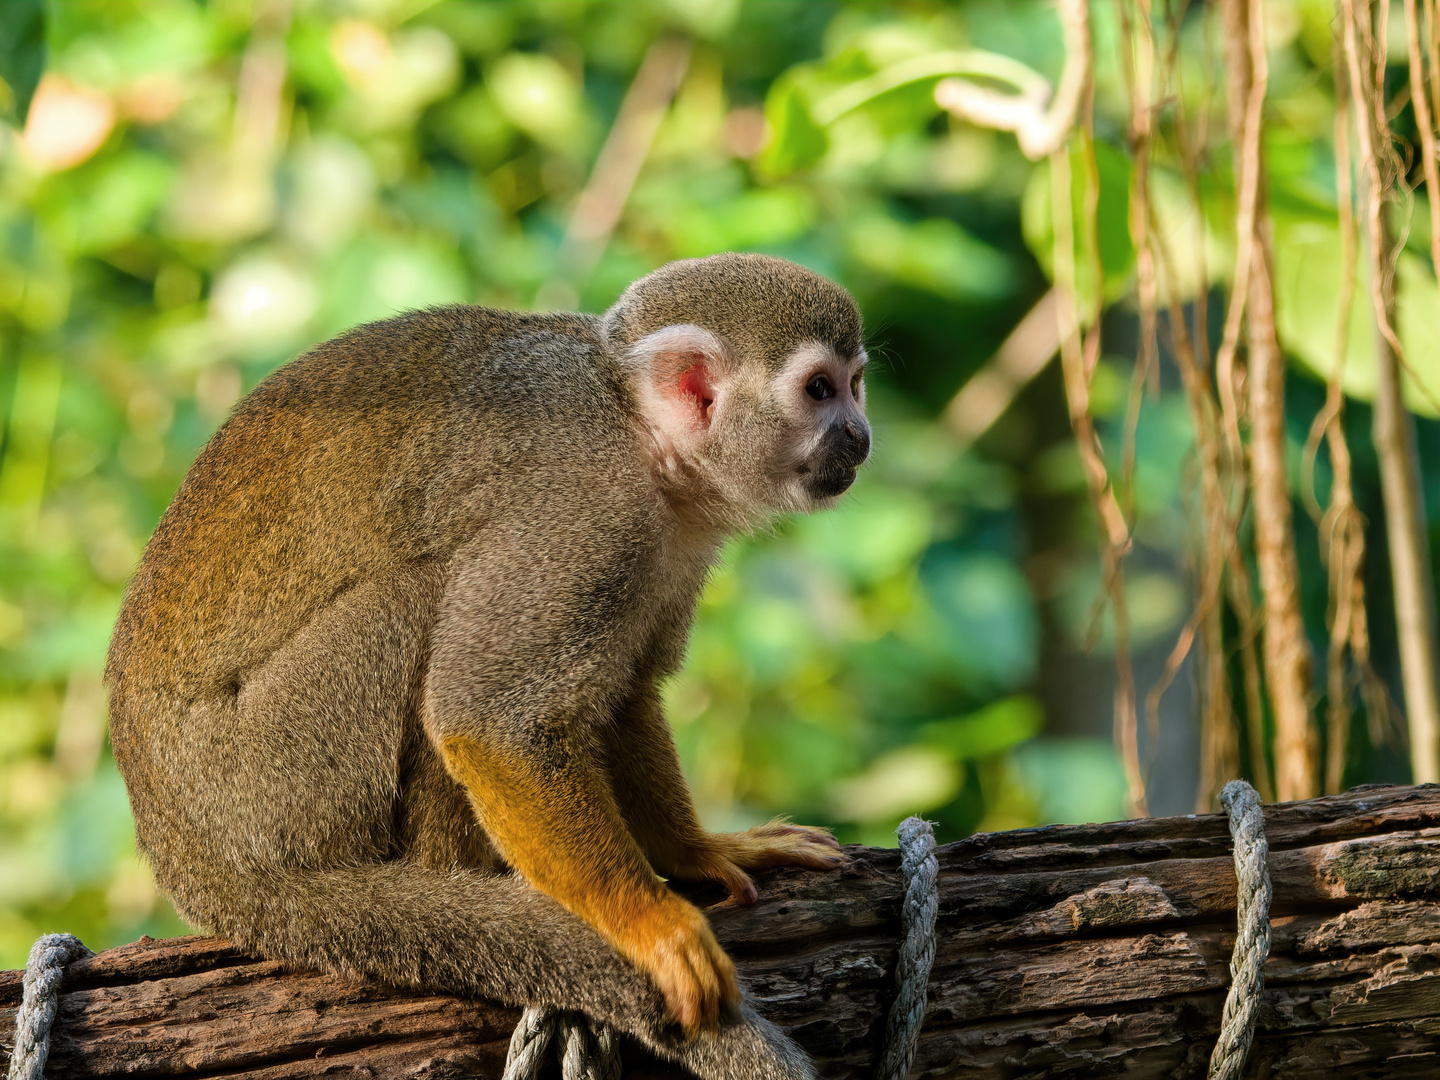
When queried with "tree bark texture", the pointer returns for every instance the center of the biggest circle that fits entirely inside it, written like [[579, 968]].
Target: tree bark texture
[[1066, 951]]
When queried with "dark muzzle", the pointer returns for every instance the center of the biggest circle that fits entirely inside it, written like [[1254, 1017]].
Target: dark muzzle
[[842, 450]]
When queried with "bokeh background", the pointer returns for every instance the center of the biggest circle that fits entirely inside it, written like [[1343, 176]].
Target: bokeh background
[[203, 189]]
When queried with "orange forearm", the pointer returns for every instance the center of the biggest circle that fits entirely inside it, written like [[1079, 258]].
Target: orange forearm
[[563, 833], [559, 826]]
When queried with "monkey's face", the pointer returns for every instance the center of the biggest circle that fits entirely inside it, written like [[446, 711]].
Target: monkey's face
[[744, 435], [748, 376], [825, 437]]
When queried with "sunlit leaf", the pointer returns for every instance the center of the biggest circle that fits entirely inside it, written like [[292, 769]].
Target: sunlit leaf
[[993, 729], [796, 141], [536, 94], [1307, 300], [22, 56], [911, 780], [1117, 253]]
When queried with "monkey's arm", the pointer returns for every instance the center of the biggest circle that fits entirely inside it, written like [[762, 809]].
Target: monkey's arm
[[520, 704], [652, 794]]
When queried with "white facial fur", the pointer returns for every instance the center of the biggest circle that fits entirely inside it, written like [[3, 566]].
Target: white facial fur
[[720, 425], [812, 417]]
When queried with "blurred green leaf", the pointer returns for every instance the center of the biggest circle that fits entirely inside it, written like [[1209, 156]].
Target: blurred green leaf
[[987, 610], [910, 780], [935, 254], [22, 56], [875, 533], [1074, 779], [98, 209], [796, 141], [538, 95], [994, 729], [754, 218], [1117, 252], [1307, 300]]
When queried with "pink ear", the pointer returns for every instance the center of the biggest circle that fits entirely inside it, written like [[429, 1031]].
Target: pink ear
[[682, 372], [697, 390]]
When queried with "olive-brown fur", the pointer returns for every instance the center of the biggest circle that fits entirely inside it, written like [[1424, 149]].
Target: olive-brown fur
[[435, 544], [756, 303]]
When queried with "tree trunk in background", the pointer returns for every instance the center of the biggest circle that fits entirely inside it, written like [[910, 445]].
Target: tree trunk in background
[[1394, 430], [1069, 951], [1410, 574], [1286, 650]]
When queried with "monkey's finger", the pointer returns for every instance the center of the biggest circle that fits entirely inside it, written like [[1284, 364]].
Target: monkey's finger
[[717, 975], [693, 973], [742, 890], [781, 828], [729, 980], [820, 856], [686, 995], [708, 981], [790, 851], [681, 989]]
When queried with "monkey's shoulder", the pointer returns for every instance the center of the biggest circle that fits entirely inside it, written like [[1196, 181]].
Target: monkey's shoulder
[[442, 383], [437, 356]]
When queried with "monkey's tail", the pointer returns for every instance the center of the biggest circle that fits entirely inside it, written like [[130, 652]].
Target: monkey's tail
[[470, 933]]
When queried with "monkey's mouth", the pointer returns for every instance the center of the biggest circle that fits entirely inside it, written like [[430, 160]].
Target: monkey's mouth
[[828, 483]]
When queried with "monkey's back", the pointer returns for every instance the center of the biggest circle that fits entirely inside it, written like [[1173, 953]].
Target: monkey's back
[[335, 496], [376, 448]]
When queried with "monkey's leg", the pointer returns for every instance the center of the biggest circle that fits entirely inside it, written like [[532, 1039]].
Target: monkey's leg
[[525, 670], [651, 792], [479, 935], [268, 816], [550, 812]]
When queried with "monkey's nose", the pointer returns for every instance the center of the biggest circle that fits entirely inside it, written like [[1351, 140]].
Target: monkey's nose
[[859, 437]]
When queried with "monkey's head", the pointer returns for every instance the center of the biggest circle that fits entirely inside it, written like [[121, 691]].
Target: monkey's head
[[747, 370]]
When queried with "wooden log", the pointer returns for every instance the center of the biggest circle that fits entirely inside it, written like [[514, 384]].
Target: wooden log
[[1066, 951]]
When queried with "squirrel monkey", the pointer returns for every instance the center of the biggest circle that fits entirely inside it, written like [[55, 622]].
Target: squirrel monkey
[[384, 686]]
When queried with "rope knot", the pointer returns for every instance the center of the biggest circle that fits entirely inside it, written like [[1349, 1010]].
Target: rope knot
[[917, 948], [1252, 934], [40, 997], [589, 1049]]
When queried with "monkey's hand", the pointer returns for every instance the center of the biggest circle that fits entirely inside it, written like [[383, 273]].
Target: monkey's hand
[[725, 857], [669, 939]]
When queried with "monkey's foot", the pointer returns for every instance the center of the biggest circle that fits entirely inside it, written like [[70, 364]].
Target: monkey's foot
[[726, 856], [672, 943]]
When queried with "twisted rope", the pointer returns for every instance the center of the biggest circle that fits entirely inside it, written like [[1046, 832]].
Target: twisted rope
[[1252, 936], [589, 1049], [917, 951], [40, 996]]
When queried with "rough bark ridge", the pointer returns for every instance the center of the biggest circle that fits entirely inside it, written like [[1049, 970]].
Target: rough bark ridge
[[1074, 951]]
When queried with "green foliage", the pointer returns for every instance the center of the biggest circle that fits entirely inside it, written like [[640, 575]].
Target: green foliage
[[849, 668], [796, 140], [1112, 212], [1308, 282], [22, 55]]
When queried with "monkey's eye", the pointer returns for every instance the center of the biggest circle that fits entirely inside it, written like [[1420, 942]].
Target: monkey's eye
[[855, 385], [820, 388]]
